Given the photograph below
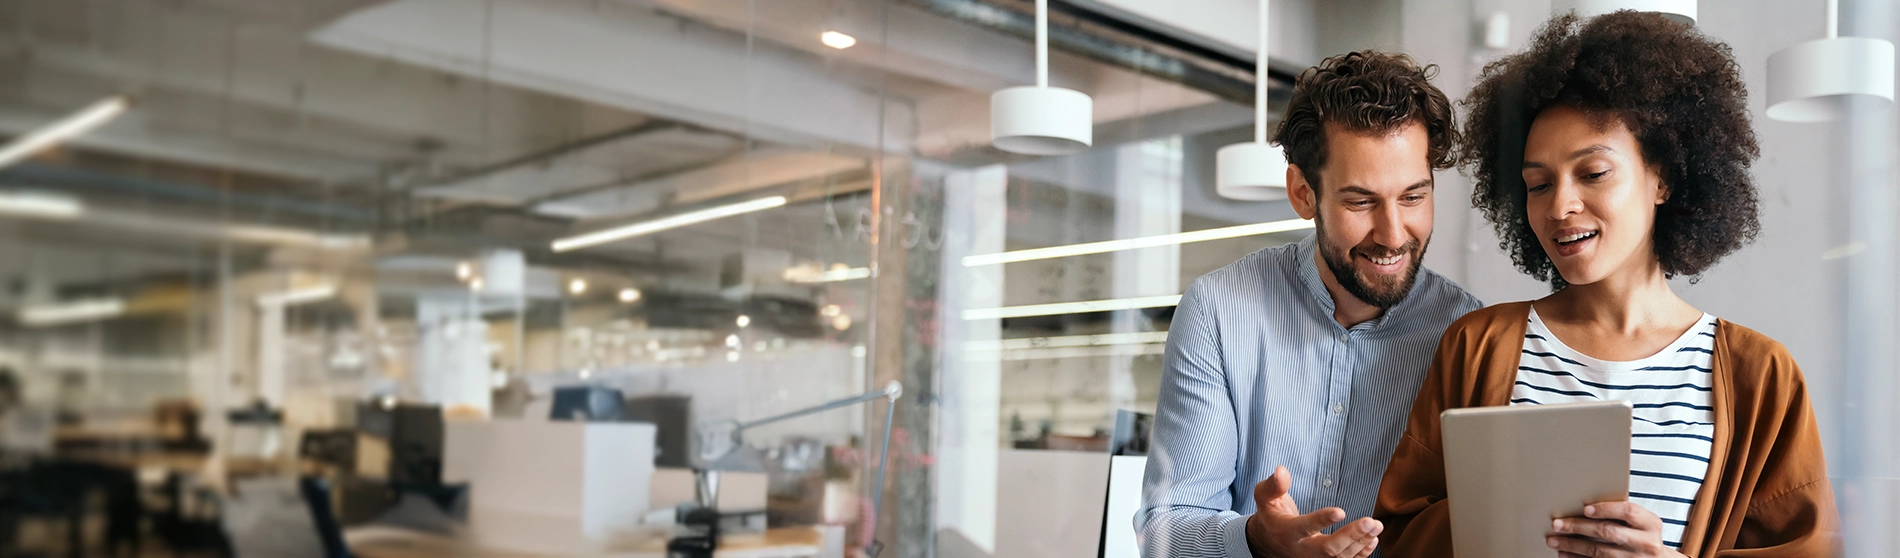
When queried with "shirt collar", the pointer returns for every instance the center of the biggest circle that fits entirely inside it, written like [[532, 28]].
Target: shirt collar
[[1308, 269]]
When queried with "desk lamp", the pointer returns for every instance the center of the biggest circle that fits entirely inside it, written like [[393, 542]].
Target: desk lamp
[[719, 440]]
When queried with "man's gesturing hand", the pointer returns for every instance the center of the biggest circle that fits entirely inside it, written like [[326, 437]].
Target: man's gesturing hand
[[1277, 530]]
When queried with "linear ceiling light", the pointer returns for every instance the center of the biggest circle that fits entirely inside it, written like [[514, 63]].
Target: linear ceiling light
[[40, 204], [63, 129], [1071, 307], [832, 276], [295, 297], [1099, 340], [1136, 243], [1039, 119], [71, 312], [649, 227], [1253, 171]]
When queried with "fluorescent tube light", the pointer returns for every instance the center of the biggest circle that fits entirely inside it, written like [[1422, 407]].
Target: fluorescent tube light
[[71, 312], [649, 227], [1071, 307], [1101, 340], [40, 204], [298, 296], [1136, 243], [1082, 352], [832, 276], [63, 129]]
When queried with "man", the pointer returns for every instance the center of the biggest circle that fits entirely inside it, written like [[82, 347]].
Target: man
[[1289, 373]]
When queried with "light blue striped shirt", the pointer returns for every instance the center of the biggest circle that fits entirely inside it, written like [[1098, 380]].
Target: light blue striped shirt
[[1257, 375]]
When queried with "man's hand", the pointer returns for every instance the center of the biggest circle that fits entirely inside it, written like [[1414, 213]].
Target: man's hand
[[1277, 530], [1610, 530]]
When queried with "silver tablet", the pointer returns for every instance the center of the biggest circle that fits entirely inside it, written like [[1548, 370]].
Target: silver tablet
[[1510, 470]]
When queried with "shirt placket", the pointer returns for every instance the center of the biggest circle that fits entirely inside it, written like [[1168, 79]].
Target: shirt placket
[[1332, 454]]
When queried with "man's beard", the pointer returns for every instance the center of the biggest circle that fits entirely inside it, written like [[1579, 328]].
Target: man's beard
[[1383, 292]]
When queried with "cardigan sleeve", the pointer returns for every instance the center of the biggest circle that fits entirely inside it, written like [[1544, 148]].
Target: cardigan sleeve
[[1792, 510]]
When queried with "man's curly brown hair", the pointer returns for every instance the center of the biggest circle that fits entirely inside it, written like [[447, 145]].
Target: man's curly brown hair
[[1679, 92], [1364, 92]]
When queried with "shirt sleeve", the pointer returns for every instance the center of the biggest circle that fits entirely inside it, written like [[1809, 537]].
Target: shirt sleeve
[[1187, 492]]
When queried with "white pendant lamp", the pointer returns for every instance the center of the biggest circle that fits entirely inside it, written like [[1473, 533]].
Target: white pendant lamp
[[1679, 10], [1041, 120], [1815, 81], [1256, 170]]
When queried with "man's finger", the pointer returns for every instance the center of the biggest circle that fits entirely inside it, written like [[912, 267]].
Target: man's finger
[[1273, 488], [1369, 548], [1355, 547], [1336, 544], [1319, 520]]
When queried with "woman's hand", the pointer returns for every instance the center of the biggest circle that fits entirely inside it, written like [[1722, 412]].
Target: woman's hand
[[1610, 530]]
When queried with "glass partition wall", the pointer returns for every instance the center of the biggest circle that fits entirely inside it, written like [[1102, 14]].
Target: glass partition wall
[[312, 208]]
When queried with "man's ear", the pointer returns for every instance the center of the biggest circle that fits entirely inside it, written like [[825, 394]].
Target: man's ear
[[1300, 193]]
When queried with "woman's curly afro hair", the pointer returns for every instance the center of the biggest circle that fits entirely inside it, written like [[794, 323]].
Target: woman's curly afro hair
[[1681, 95]]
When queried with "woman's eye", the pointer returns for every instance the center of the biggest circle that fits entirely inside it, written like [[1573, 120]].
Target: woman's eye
[[1595, 175], [1539, 187]]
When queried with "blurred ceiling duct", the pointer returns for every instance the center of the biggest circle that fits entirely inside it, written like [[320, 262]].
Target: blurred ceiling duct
[[1133, 46]]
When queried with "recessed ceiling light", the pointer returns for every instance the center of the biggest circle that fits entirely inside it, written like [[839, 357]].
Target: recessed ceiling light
[[629, 295], [838, 40], [577, 286]]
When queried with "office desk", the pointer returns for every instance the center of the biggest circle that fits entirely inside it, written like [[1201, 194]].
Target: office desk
[[383, 542]]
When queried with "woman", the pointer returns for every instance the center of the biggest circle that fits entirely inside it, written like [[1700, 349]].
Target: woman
[[1611, 156]]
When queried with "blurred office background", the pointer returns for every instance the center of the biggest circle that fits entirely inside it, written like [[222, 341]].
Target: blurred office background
[[311, 236]]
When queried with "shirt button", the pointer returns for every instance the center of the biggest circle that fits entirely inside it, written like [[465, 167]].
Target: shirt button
[[1339, 408], [1344, 337], [1327, 482]]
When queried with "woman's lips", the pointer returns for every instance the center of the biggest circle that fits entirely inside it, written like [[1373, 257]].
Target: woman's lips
[[1568, 249]]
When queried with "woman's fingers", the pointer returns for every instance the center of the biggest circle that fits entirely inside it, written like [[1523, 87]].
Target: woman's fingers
[[1634, 515], [1611, 532], [1567, 546]]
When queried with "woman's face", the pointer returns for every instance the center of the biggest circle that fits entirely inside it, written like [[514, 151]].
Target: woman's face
[[1590, 196]]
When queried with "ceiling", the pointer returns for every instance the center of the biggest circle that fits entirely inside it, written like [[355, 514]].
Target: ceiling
[[450, 126]]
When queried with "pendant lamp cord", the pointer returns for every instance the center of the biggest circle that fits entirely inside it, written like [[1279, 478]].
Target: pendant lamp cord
[[1260, 80], [1833, 18], [1042, 43]]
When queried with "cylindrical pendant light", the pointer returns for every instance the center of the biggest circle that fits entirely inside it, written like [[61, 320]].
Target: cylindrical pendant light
[[1256, 170], [1679, 10], [1815, 81], [1041, 120]]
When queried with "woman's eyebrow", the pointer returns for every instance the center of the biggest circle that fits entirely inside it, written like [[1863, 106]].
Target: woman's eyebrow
[[1574, 155]]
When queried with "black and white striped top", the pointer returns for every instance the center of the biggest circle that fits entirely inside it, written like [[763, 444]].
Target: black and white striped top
[[1673, 425]]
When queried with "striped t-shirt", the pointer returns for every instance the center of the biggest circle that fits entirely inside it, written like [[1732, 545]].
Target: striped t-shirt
[[1673, 425]]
